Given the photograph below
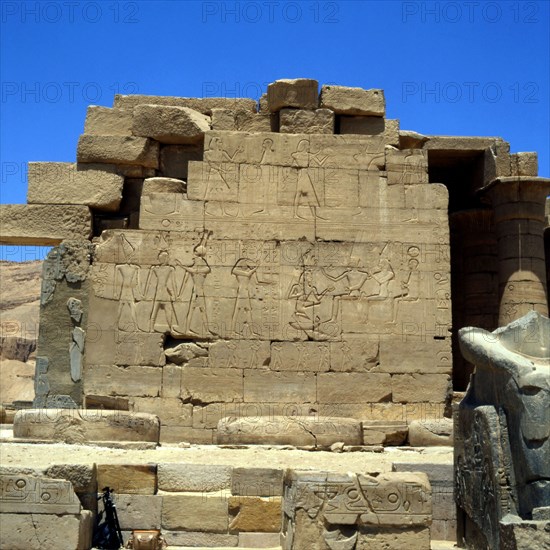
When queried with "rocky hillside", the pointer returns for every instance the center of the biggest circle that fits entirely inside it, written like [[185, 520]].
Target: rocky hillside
[[19, 308]]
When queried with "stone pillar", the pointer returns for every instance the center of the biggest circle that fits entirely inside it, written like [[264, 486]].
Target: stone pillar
[[518, 203]]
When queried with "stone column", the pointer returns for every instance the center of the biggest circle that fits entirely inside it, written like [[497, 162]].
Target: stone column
[[518, 203]]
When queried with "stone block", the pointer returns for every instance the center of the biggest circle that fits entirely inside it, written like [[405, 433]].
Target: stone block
[[289, 430], [384, 432], [174, 159], [47, 531], [130, 479], [259, 540], [300, 356], [113, 380], [245, 354], [118, 150], [206, 512], [279, 387], [170, 125], [105, 121], [170, 212], [524, 164], [299, 93], [301, 121], [163, 185], [353, 387], [524, 535], [203, 478], [99, 187], [406, 167], [255, 514], [171, 411], [411, 357], [202, 104], [208, 385], [43, 224], [263, 482], [83, 478], [26, 494], [199, 540], [354, 354], [371, 126], [411, 388], [412, 539], [180, 434], [82, 425], [353, 101], [138, 511], [426, 433]]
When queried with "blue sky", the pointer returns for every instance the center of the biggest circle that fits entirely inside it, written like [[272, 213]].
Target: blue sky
[[457, 68]]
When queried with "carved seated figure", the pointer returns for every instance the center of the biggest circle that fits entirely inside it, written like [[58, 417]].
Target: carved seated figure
[[502, 453]]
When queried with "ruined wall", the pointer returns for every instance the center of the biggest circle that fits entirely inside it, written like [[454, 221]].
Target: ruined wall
[[291, 259]]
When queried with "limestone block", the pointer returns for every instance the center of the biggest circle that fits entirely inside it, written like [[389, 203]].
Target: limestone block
[[171, 125], [384, 432], [118, 150], [289, 430], [301, 121], [246, 354], [223, 119], [179, 434], [199, 540], [412, 539], [429, 357], [300, 93], [279, 387], [354, 354], [26, 494], [129, 479], [353, 387], [80, 425], [174, 159], [409, 166], [43, 225], [83, 478], [171, 411], [105, 121], [262, 482], [170, 212], [411, 140], [256, 514], [210, 384], [407, 388], [371, 126], [47, 531], [206, 512], [300, 356], [125, 348], [138, 511], [245, 121], [202, 104], [353, 101], [425, 433], [68, 183], [519, 535], [213, 181], [524, 164], [259, 540], [163, 185], [202, 478], [114, 380]]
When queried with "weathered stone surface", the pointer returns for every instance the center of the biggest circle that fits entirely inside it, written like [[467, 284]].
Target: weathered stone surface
[[259, 540], [202, 104], [519, 535], [206, 512], [425, 433], [138, 511], [353, 101], [292, 430], [43, 225], [384, 432], [289, 387], [118, 150], [78, 426], [131, 479], [68, 183], [171, 411], [208, 385], [163, 185], [174, 159], [263, 482], [255, 514], [300, 93], [411, 140], [301, 121], [171, 125], [193, 477], [371, 126], [104, 121], [42, 531], [242, 121], [114, 380], [524, 164], [407, 388], [502, 423], [412, 539], [25, 494], [199, 540], [352, 387]]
